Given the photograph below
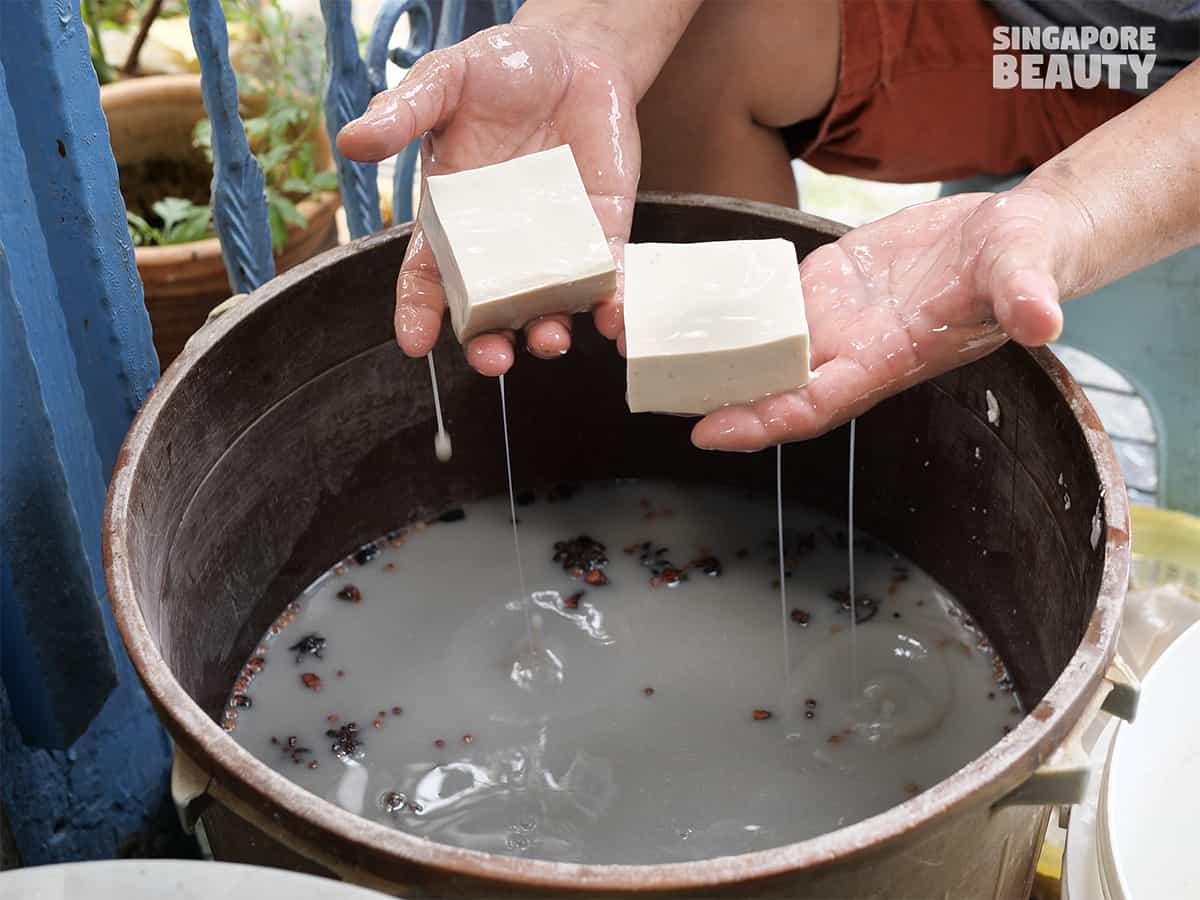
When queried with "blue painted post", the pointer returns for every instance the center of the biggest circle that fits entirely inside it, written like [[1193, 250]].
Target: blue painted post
[[346, 98], [239, 191], [81, 210], [84, 761]]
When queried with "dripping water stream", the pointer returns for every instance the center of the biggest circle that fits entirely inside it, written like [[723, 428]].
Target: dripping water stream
[[512, 497], [787, 639], [531, 661]]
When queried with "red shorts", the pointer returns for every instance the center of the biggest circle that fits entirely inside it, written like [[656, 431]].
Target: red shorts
[[915, 102]]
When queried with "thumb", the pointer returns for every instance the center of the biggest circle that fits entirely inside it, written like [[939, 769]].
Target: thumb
[[1021, 286], [424, 100]]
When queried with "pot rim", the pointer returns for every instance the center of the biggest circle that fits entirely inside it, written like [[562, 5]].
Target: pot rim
[[149, 83], [378, 849]]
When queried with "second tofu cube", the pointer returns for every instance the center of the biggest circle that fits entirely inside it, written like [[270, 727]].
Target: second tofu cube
[[712, 324], [515, 241]]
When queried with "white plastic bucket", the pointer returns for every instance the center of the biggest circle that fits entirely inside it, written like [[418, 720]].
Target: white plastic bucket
[[1133, 837]]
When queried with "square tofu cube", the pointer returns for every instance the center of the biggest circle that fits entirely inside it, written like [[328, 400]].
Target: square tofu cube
[[712, 324], [515, 241]]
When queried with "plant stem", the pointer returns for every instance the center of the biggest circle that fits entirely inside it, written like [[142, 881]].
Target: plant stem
[[104, 72], [135, 49]]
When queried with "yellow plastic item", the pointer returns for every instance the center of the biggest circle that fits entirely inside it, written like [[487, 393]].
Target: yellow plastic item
[[1166, 547], [1047, 882]]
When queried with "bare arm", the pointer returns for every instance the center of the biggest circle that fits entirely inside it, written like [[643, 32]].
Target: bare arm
[[1135, 181], [939, 285]]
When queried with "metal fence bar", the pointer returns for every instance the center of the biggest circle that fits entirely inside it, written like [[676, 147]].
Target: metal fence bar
[[449, 31], [239, 193], [420, 42], [346, 97]]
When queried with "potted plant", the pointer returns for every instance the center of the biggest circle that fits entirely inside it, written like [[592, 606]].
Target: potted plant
[[160, 138]]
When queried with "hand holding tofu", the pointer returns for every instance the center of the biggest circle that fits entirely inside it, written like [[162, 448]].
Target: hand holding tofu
[[505, 93]]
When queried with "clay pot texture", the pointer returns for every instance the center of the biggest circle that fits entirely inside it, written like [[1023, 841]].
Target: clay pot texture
[[292, 430]]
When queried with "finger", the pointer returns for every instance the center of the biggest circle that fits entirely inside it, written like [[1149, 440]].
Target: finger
[[420, 300], [491, 354], [1027, 308], [549, 337], [424, 100], [609, 316], [827, 401], [838, 391], [609, 313], [1019, 282]]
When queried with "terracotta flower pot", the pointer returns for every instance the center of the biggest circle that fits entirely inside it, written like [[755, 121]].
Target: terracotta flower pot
[[152, 118]]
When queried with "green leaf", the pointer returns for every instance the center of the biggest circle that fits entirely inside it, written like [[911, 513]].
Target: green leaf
[[172, 210], [278, 227], [202, 134], [287, 209], [257, 128], [272, 158], [183, 220], [141, 232], [283, 117], [324, 181], [296, 186], [193, 228], [202, 138], [302, 164]]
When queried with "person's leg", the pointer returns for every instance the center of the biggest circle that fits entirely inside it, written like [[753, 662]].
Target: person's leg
[[743, 70], [892, 90]]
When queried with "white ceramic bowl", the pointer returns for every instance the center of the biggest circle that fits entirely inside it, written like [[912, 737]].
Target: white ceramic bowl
[[159, 879]]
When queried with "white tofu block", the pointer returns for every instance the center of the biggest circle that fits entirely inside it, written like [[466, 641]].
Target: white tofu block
[[515, 241], [713, 324]]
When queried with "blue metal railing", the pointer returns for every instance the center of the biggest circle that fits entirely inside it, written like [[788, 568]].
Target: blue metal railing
[[346, 97], [238, 199], [85, 764], [239, 190]]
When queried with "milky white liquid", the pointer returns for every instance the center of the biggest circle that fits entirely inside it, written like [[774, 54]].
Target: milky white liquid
[[442, 448], [850, 561], [641, 745]]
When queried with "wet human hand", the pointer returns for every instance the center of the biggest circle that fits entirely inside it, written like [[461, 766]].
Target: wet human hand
[[911, 296], [506, 92]]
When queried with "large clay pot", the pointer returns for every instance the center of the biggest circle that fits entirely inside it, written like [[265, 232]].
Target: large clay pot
[[154, 117], [293, 429]]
